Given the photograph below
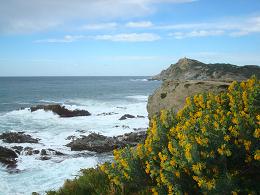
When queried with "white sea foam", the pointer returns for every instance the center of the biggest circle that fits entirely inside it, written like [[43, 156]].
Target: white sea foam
[[138, 97], [135, 80], [37, 175]]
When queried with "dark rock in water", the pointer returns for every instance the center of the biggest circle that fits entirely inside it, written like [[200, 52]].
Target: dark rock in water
[[49, 151], [60, 110], [71, 137], [43, 152], [94, 142], [36, 151], [55, 152], [81, 131], [18, 149], [126, 116], [45, 158], [139, 116], [100, 143], [132, 138], [107, 113], [125, 127], [8, 157], [17, 137]]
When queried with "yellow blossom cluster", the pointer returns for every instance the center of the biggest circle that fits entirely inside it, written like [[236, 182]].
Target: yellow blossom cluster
[[205, 147]]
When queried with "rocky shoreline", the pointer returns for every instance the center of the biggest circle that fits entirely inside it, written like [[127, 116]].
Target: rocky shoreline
[[92, 142]]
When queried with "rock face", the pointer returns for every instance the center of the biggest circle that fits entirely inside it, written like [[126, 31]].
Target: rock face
[[61, 110], [17, 137], [100, 143], [172, 94], [8, 157], [189, 69]]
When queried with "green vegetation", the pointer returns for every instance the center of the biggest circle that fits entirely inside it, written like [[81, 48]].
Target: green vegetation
[[211, 146]]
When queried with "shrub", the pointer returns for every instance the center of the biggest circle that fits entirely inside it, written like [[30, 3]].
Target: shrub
[[211, 146], [91, 181]]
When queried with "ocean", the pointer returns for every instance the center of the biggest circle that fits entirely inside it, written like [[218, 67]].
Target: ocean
[[121, 95]]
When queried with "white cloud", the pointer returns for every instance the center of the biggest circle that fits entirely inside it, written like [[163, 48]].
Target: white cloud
[[17, 16], [196, 33], [127, 37], [233, 27], [99, 26], [130, 37], [141, 24], [65, 39]]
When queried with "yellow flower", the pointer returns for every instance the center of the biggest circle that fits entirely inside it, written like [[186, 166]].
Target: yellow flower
[[177, 174], [210, 184], [124, 163], [148, 167], [170, 189], [163, 178], [113, 165], [139, 150], [197, 167], [172, 162], [226, 138], [154, 191], [126, 175], [257, 155], [257, 133], [216, 125], [163, 117], [188, 101], [203, 129], [103, 168], [247, 145], [235, 121]]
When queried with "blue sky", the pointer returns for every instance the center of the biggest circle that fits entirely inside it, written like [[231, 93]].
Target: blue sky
[[124, 37]]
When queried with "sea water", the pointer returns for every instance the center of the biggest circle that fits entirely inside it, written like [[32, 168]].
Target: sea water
[[121, 95]]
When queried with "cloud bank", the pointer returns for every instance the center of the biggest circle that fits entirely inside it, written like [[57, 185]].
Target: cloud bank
[[27, 16]]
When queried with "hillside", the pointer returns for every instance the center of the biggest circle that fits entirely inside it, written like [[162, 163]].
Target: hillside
[[188, 77], [189, 69]]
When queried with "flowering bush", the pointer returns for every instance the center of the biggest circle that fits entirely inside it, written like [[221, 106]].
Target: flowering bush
[[211, 146]]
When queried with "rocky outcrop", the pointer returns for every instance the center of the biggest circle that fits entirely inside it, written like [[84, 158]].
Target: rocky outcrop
[[60, 110], [17, 137], [189, 69], [126, 116], [189, 77], [100, 143], [8, 157], [172, 93]]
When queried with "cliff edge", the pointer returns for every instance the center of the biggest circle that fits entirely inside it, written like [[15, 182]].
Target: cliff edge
[[188, 77]]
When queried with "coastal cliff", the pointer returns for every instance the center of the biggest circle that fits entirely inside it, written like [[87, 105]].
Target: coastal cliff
[[189, 69], [189, 77]]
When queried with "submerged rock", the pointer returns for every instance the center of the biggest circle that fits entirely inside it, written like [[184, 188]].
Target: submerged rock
[[100, 143], [17, 137], [126, 116], [8, 157], [60, 110]]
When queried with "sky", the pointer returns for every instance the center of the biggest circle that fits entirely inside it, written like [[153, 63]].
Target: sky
[[124, 37]]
